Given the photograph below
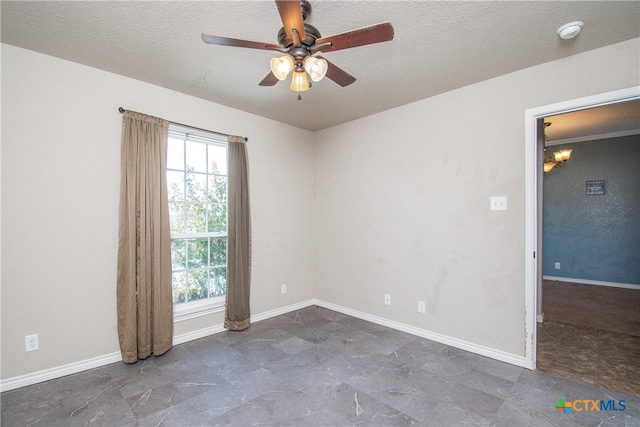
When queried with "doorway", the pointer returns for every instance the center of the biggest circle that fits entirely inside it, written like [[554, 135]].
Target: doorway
[[534, 142], [590, 332]]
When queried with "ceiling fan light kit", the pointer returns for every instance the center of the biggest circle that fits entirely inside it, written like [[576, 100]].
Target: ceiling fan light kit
[[316, 67], [281, 66], [299, 82], [300, 42]]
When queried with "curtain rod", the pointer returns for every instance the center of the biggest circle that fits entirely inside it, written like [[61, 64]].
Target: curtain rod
[[122, 111]]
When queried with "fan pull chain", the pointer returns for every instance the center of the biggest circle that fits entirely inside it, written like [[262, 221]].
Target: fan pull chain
[[300, 96]]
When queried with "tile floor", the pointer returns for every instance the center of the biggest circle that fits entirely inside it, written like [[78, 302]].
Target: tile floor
[[313, 367], [602, 358]]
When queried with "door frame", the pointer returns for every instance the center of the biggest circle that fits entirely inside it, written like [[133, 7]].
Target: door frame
[[533, 190]]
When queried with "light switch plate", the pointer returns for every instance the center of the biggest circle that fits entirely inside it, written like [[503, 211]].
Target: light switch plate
[[499, 203]]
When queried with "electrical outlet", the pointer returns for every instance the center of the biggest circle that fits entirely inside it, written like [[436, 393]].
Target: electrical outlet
[[421, 307], [283, 288], [387, 299], [557, 266], [499, 203], [31, 342]]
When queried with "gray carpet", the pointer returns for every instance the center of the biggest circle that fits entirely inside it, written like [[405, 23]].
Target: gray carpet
[[313, 367]]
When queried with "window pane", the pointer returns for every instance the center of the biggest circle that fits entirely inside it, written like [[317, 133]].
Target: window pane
[[218, 159], [175, 154], [196, 218], [198, 253], [217, 189], [218, 254], [196, 156], [177, 216], [196, 187], [179, 285], [175, 186], [218, 281], [178, 254], [217, 217], [197, 284]]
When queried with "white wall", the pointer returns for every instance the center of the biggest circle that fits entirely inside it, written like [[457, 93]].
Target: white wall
[[403, 196], [60, 182]]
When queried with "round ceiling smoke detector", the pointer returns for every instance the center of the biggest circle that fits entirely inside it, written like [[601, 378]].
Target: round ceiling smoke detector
[[570, 30]]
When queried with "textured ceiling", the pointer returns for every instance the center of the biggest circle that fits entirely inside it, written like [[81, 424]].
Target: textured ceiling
[[438, 46]]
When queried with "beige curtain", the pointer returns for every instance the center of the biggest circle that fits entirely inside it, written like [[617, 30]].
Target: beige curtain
[[237, 315], [145, 302]]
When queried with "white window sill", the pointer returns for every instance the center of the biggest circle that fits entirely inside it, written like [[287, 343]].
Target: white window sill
[[192, 310]]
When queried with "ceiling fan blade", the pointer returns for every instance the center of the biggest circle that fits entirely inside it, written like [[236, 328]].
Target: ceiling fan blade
[[360, 37], [226, 41], [269, 80], [291, 15], [338, 75]]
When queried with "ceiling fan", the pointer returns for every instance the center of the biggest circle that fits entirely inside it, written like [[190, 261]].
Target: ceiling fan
[[300, 42]]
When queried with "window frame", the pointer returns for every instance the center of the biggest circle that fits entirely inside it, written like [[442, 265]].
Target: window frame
[[201, 307]]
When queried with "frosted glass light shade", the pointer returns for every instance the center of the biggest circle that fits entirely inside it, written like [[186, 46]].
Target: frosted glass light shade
[[566, 154], [316, 67], [281, 67], [299, 82], [562, 155], [548, 166]]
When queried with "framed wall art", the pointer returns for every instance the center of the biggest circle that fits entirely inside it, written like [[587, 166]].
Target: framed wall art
[[595, 188]]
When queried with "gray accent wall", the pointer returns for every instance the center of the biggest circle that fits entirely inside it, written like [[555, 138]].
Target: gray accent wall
[[594, 237]]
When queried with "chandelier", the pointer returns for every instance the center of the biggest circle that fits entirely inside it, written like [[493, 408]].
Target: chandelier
[[558, 158]]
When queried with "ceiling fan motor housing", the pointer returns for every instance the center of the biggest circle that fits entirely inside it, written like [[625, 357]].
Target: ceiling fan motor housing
[[311, 33], [305, 6]]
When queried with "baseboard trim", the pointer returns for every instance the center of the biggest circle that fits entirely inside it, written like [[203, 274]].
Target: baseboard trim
[[433, 336], [58, 372], [592, 282], [284, 310], [196, 335], [96, 362], [216, 329]]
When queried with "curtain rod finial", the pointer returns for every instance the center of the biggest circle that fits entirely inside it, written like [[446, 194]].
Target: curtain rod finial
[[122, 110]]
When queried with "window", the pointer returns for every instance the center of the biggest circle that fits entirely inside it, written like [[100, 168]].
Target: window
[[197, 187]]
